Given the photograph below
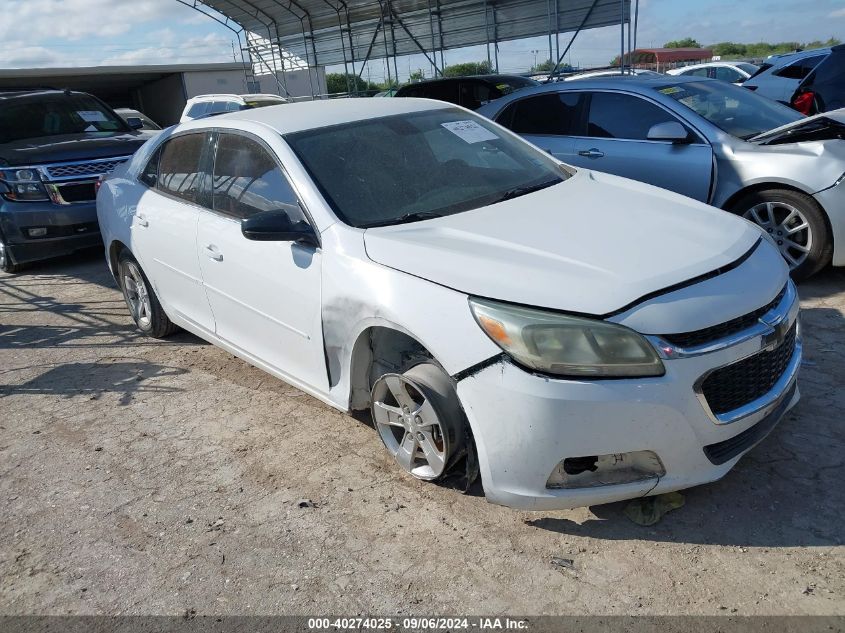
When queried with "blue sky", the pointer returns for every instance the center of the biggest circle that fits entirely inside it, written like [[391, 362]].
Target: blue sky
[[39, 33]]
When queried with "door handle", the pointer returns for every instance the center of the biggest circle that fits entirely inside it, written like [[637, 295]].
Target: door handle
[[591, 153], [140, 220], [213, 253]]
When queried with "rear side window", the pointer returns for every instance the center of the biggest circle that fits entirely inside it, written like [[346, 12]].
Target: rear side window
[[615, 115], [474, 94], [247, 180], [442, 91], [179, 166], [724, 73], [217, 107], [696, 72], [800, 68], [198, 109], [554, 113]]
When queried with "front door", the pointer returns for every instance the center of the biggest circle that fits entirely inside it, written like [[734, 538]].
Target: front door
[[547, 120], [616, 141], [265, 296]]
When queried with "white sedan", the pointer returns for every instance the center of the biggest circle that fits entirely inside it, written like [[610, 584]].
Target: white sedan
[[583, 338], [732, 72]]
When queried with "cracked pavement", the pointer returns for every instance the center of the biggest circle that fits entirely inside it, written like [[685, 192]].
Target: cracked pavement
[[160, 477]]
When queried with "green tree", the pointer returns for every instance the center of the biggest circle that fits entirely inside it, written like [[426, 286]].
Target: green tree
[[468, 68], [727, 49], [337, 83], [417, 75], [687, 42]]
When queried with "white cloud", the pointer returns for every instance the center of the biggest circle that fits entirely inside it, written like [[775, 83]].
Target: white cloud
[[839, 13]]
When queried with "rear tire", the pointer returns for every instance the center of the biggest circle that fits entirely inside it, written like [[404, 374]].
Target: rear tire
[[795, 222], [141, 299]]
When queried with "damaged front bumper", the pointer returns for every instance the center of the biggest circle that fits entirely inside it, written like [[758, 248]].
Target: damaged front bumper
[[547, 443]]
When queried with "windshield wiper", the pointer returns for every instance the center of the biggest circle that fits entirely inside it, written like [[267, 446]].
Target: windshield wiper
[[510, 194], [416, 216]]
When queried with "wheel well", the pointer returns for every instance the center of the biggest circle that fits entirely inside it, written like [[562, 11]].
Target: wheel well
[[377, 351], [765, 186], [115, 249]]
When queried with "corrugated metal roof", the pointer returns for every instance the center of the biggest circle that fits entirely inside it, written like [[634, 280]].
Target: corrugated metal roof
[[326, 32]]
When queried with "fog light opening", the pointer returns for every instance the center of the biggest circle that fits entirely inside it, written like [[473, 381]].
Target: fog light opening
[[40, 231], [606, 470]]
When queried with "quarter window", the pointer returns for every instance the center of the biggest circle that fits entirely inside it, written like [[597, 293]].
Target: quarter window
[[247, 180], [553, 113], [179, 166], [198, 109], [799, 68], [150, 173], [616, 115]]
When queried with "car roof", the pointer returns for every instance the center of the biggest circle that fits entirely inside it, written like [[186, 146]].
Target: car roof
[[487, 78], [213, 97], [783, 58], [13, 93], [306, 115]]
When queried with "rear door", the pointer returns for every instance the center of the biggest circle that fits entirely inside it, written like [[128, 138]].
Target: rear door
[[547, 120], [164, 226], [616, 141], [265, 296]]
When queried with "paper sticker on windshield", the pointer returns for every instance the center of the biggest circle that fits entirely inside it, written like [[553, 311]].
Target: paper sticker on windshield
[[670, 90], [91, 116], [470, 131]]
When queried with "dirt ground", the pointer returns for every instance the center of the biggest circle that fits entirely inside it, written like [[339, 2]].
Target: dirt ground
[[164, 477]]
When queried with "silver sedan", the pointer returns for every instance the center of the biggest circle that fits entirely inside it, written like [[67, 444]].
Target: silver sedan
[[705, 139]]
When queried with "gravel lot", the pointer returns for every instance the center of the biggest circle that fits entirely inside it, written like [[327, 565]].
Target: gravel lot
[[141, 476]]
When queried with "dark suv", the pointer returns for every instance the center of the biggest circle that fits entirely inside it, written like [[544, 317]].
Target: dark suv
[[469, 92], [54, 146], [823, 89]]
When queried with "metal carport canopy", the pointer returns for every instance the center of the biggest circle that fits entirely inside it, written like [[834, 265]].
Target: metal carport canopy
[[329, 32]]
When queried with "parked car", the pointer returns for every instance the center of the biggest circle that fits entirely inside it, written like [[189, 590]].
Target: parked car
[[586, 337], [610, 72], [704, 139], [732, 72], [207, 105], [54, 146], [779, 76], [146, 123], [469, 92], [823, 89]]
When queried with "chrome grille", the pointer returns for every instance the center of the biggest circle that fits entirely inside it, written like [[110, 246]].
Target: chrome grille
[[730, 387], [61, 171]]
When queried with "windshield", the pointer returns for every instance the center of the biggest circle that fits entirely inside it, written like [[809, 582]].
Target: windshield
[[55, 114], [420, 165], [736, 110]]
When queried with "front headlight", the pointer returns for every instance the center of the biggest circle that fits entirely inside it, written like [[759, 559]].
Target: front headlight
[[22, 185], [565, 345]]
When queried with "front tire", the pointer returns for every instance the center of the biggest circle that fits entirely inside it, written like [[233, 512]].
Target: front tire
[[795, 222], [419, 419], [141, 299], [6, 263]]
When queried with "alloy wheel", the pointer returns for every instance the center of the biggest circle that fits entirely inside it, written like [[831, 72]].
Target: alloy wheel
[[409, 426], [137, 296], [788, 228]]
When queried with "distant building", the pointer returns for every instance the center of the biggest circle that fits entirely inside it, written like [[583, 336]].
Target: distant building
[[662, 59], [161, 91]]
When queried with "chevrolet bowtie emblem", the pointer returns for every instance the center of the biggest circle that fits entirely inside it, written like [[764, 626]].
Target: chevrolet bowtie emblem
[[775, 336]]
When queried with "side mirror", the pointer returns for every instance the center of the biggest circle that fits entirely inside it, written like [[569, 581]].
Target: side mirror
[[276, 226], [134, 122], [671, 131]]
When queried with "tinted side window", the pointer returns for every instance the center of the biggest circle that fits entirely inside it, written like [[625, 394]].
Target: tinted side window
[[217, 107], [614, 115], [696, 72], [553, 113], [247, 180], [179, 166], [446, 91], [474, 94], [150, 173], [198, 109], [800, 68]]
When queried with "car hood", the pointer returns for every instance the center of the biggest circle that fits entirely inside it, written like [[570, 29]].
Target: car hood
[[819, 127], [592, 244], [71, 147]]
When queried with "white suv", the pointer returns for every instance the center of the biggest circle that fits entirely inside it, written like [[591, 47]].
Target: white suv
[[205, 105]]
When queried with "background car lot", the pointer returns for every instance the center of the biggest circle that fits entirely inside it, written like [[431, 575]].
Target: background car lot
[[167, 476]]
